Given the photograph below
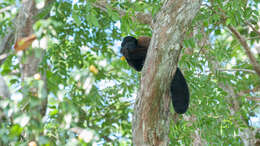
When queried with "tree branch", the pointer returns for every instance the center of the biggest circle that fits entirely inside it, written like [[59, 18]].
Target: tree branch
[[8, 40], [231, 97], [6, 8], [250, 55], [252, 27], [24, 27], [253, 98], [151, 111], [241, 39], [234, 69]]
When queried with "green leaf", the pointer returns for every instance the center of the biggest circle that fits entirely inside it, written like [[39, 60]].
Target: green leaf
[[76, 18], [93, 19]]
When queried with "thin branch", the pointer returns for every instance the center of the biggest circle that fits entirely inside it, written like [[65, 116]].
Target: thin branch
[[144, 18], [244, 92], [4, 56], [256, 89], [241, 39], [253, 98], [241, 69], [6, 8], [235, 104], [256, 37], [7, 41], [252, 27], [243, 42]]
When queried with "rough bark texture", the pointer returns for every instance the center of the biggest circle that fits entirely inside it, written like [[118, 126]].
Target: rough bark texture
[[151, 113]]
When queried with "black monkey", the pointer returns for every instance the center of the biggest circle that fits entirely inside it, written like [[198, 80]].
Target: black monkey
[[135, 51]]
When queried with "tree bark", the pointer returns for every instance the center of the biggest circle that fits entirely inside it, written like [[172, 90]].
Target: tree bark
[[29, 67], [151, 111]]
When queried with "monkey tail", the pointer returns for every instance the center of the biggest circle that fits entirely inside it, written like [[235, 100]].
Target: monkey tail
[[179, 93]]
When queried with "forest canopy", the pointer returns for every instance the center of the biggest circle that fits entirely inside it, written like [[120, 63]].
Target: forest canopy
[[63, 80]]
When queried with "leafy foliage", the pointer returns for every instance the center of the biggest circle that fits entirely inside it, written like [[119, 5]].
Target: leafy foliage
[[91, 91]]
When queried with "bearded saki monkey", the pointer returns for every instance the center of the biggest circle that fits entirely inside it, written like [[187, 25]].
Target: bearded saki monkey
[[134, 50]]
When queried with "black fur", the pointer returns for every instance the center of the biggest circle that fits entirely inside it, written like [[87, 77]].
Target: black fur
[[180, 93], [135, 55]]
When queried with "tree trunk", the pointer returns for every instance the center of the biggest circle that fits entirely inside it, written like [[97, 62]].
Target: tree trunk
[[29, 68], [23, 25], [151, 112]]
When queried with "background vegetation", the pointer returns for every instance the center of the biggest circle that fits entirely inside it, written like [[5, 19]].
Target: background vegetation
[[82, 92]]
